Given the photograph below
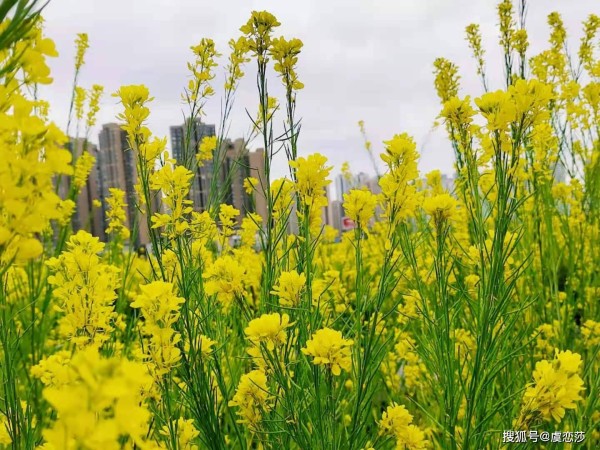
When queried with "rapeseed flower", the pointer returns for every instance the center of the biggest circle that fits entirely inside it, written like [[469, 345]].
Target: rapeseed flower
[[557, 387], [268, 329], [327, 347], [289, 288], [252, 397]]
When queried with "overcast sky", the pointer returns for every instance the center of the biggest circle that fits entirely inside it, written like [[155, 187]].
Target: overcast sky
[[362, 59]]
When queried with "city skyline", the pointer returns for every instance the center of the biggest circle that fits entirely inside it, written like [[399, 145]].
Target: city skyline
[[384, 79], [118, 169], [115, 166]]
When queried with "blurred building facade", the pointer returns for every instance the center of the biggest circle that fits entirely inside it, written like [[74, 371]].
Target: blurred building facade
[[236, 164], [184, 148], [117, 168], [87, 216], [344, 183]]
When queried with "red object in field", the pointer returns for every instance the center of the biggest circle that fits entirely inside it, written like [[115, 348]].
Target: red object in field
[[347, 223]]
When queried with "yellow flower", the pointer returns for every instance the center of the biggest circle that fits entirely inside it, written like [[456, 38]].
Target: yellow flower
[[556, 388], [289, 288], [268, 329], [174, 182], [202, 70], [206, 345], [401, 153], [591, 333], [150, 150], [464, 343], [5, 438], [285, 53], [85, 290], [237, 58], [359, 205], [396, 421], [54, 370], [227, 216], [250, 184], [134, 99], [116, 215], [311, 176], [474, 40], [94, 106], [206, 149], [82, 45], [446, 79], [441, 207], [346, 173], [101, 406], [79, 101], [225, 278], [186, 433], [160, 308], [282, 190], [258, 31], [249, 228], [83, 167], [329, 348], [252, 397]]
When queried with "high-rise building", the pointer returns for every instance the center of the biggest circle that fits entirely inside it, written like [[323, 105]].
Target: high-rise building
[[87, 216], [118, 169], [184, 150], [335, 211], [344, 184], [560, 172], [256, 166], [372, 185], [236, 164]]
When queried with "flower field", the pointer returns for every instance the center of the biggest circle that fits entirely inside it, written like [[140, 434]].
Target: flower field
[[463, 319]]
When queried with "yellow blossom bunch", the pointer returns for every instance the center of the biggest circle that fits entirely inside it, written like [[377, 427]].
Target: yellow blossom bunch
[[85, 291], [268, 330], [252, 397], [159, 306], [397, 421], [359, 205], [258, 31], [101, 406], [237, 59], [174, 183], [330, 349], [82, 44], [205, 149], [289, 287], [116, 214], [199, 87], [285, 53], [83, 167], [557, 387]]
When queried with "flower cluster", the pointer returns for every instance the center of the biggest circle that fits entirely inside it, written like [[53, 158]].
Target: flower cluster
[[160, 308], [330, 349], [397, 422], [84, 288], [100, 406], [557, 387]]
